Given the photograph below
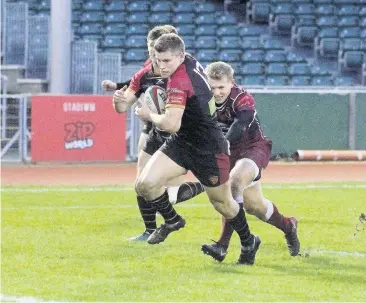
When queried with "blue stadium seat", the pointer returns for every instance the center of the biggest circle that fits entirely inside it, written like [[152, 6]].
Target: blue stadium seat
[[133, 55], [363, 33], [304, 35], [326, 9], [260, 12], [299, 69], [137, 29], [253, 69], [92, 17], [362, 11], [300, 80], [236, 67], [186, 29], [138, 17], [338, 2], [93, 5], [226, 19], [319, 70], [95, 38], [294, 57], [163, 6], [184, 7], [187, 18], [136, 41], [230, 55], [239, 80], [76, 16], [327, 21], [160, 18], [348, 21], [138, 6], [115, 29], [248, 31], [352, 60], [282, 8], [190, 42], [327, 47], [89, 28], [44, 5], [348, 10], [253, 56], [281, 23], [203, 42], [205, 19], [115, 17], [344, 81], [350, 32], [115, 6], [251, 43], [323, 1], [204, 8], [307, 20], [113, 41], [305, 9], [277, 81], [277, 68], [207, 55], [191, 51], [275, 56], [227, 30], [328, 32], [253, 80], [322, 81], [352, 44], [363, 22], [229, 42], [205, 30], [271, 43]]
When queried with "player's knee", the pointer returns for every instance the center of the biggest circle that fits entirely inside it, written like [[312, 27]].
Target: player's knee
[[143, 186]]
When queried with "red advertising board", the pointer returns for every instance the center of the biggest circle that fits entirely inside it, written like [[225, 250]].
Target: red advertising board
[[76, 128]]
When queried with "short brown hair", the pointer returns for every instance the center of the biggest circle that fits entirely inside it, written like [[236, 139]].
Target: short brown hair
[[218, 70], [170, 42], [159, 30]]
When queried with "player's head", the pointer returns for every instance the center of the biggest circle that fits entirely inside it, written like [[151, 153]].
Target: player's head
[[154, 34], [169, 53], [221, 79]]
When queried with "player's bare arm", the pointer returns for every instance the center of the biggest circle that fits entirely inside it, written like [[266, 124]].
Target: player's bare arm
[[123, 99]]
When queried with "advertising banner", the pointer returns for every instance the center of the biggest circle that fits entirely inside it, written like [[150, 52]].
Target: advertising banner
[[76, 128]]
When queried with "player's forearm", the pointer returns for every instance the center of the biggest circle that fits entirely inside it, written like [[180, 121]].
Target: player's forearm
[[122, 84], [240, 124], [165, 123], [121, 107]]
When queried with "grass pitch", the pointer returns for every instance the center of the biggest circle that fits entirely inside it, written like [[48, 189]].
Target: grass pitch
[[70, 245]]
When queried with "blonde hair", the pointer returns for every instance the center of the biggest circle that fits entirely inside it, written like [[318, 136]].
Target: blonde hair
[[218, 70]]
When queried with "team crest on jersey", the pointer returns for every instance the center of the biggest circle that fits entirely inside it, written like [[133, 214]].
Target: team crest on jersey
[[213, 180]]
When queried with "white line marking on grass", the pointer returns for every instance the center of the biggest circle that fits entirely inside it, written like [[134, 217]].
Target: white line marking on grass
[[117, 189], [337, 253], [6, 298]]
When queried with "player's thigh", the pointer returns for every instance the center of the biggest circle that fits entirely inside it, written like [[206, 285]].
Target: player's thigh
[[243, 173], [175, 182], [160, 169], [219, 194]]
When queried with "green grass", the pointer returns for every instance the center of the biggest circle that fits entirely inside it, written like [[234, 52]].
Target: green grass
[[71, 246]]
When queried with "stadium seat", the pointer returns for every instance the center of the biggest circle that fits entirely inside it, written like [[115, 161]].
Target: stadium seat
[[275, 56], [271, 43], [328, 32], [92, 17], [362, 11], [205, 19], [294, 57], [299, 69], [113, 41], [93, 5], [326, 9], [205, 30], [138, 6], [115, 29], [229, 42], [204, 8], [281, 24], [300, 81], [137, 29], [348, 21], [253, 80], [186, 18], [136, 41], [204, 42], [323, 1], [259, 12], [304, 9], [115, 17], [44, 5], [251, 43], [190, 42], [322, 81], [163, 6], [115, 6], [186, 29], [253, 56], [76, 17], [138, 17], [327, 21], [248, 31], [253, 69], [350, 32], [352, 60], [352, 44], [326, 47], [133, 55], [344, 81], [207, 55], [363, 22], [338, 2], [363, 33], [348, 10], [277, 81], [95, 38], [89, 28], [277, 69], [303, 35], [184, 7], [227, 30], [282, 8], [319, 70], [230, 55], [160, 18], [225, 19]]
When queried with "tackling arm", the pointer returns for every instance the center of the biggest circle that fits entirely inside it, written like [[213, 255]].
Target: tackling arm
[[240, 124], [170, 121]]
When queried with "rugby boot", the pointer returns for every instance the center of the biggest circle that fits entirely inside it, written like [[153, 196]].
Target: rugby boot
[[162, 232], [293, 242], [216, 251], [247, 256], [141, 238]]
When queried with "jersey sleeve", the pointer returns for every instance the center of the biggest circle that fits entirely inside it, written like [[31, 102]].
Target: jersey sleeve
[[244, 102], [135, 83], [177, 94]]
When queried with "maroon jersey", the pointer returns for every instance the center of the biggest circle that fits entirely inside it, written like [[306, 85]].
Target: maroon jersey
[[240, 100], [188, 88]]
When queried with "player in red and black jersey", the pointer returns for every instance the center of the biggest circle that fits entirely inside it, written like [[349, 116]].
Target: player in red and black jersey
[[178, 189], [196, 144], [250, 154]]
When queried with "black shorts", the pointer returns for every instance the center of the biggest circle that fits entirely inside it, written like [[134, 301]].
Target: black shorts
[[154, 141], [210, 169], [147, 127]]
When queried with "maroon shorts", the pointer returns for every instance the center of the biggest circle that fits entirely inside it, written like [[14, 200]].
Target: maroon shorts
[[210, 169], [260, 153]]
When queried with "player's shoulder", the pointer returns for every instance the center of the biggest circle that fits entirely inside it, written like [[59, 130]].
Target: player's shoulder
[[180, 78], [143, 71], [240, 96]]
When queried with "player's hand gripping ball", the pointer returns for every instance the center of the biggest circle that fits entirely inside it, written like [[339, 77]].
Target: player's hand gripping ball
[[155, 98]]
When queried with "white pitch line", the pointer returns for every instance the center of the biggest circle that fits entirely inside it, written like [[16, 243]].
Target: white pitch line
[[117, 189], [337, 253]]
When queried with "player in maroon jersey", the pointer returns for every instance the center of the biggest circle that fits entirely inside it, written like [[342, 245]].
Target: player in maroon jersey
[[250, 154], [197, 144], [178, 189]]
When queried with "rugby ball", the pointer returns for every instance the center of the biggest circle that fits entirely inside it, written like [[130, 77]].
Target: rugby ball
[[155, 98]]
